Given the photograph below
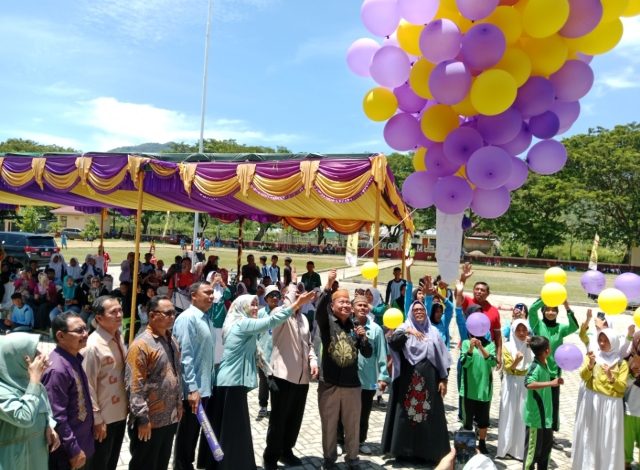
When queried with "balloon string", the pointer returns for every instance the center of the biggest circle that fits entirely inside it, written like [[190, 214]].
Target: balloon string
[[388, 234]]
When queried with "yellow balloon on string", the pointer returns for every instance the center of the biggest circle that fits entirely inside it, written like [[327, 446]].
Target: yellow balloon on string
[[509, 20], [517, 63], [379, 104], [602, 39], [369, 270], [419, 78], [408, 35], [542, 18], [633, 8], [613, 9], [437, 121], [418, 159], [547, 55], [493, 91]]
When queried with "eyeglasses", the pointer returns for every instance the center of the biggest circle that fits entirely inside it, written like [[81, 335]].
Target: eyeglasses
[[79, 330], [275, 295], [520, 307], [601, 316], [168, 313]]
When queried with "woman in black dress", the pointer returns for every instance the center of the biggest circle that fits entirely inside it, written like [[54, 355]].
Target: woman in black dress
[[416, 426]]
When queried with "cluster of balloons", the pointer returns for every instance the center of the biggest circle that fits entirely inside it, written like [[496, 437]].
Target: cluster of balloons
[[468, 84], [626, 286], [554, 292]]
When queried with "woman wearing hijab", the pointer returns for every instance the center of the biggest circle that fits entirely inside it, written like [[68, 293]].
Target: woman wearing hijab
[[60, 268], [72, 299], [74, 269], [598, 437], [517, 357], [415, 425], [632, 403], [46, 298], [227, 409], [26, 422]]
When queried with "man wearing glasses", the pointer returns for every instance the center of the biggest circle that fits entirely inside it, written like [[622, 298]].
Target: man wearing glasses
[[68, 391], [154, 388]]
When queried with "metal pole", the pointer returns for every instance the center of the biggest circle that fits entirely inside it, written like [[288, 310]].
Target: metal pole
[[240, 243], [136, 259], [376, 234], [103, 215], [404, 255]]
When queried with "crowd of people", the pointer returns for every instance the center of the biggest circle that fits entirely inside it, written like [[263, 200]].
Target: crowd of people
[[202, 345]]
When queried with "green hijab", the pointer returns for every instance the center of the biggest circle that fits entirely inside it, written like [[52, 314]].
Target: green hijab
[[14, 376], [69, 293]]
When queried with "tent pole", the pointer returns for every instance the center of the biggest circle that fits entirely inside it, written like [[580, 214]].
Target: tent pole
[[376, 234], [136, 259], [403, 254], [103, 216], [240, 243]]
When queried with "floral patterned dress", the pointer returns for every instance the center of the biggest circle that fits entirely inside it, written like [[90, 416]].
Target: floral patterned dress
[[415, 425]]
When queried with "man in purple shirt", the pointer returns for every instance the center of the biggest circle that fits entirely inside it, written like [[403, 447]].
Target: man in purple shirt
[[68, 391]]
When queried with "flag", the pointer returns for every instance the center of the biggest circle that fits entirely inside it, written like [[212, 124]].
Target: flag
[[593, 259], [351, 253]]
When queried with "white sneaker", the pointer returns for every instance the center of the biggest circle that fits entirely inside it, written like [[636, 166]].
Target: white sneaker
[[339, 449], [365, 449]]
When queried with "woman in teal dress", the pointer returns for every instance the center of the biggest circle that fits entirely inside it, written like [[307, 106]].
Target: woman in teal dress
[[26, 423]]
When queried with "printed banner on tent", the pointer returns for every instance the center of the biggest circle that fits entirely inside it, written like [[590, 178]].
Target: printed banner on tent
[[351, 254], [448, 244], [593, 259]]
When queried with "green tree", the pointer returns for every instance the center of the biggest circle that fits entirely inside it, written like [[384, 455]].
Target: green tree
[[91, 230], [30, 146], [29, 219]]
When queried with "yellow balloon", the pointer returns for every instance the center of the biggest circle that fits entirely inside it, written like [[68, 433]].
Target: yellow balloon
[[636, 317], [612, 301], [542, 18], [392, 318], [419, 78], [418, 159], [464, 107], [449, 10], [369, 270], [553, 294], [438, 121], [602, 39], [547, 55], [613, 9], [517, 64], [555, 274], [509, 20], [493, 91], [379, 104], [408, 35], [633, 8]]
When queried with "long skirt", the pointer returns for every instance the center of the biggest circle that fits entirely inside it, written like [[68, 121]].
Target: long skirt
[[598, 437], [511, 427]]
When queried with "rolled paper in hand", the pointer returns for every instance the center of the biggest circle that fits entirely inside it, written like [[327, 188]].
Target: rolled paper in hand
[[216, 450]]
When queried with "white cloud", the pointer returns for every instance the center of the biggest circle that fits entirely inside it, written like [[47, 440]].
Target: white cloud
[[624, 79], [50, 139]]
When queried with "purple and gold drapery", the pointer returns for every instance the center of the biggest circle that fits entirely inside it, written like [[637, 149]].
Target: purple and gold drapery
[[337, 192]]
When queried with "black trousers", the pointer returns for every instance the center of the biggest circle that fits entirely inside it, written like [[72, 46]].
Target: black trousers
[[537, 448], [108, 451], [365, 411], [555, 401], [187, 437], [287, 409], [263, 390], [154, 453]]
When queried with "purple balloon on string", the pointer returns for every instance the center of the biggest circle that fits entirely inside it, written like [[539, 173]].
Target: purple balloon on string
[[521, 142], [593, 282], [402, 132], [407, 99], [476, 9], [450, 81], [390, 66], [568, 357], [501, 128], [437, 163], [535, 96], [460, 144], [418, 189], [440, 40], [381, 17], [478, 324], [418, 11], [584, 16], [452, 195], [359, 56], [572, 81], [519, 174], [489, 167], [483, 46], [490, 203], [629, 284], [567, 112], [547, 157], [545, 125]]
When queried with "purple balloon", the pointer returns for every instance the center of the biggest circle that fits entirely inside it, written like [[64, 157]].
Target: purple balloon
[[519, 174], [418, 189], [437, 163], [461, 143], [547, 157], [360, 54], [390, 66], [449, 82], [402, 132], [452, 194], [572, 81], [418, 11], [483, 46], [440, 40], [535, 96], [501, 128], [407, 99], [593, 282], [629, 284], [567, 112], [584, 57], [489, 167], [521, 141], [476, 9], [545, 125], [381, 17], [478, 324], [584, 16], [568, 357], [490, 203]]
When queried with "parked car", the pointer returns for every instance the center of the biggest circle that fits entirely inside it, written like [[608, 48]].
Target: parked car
[[73, 233], [27, 247], [175, 239]]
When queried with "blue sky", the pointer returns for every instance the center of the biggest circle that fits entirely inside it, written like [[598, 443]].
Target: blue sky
[[95, 75]]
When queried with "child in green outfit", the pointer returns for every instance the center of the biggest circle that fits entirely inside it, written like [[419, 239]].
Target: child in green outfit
[[538, 406]]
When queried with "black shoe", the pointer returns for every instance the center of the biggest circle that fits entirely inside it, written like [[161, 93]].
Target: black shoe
[[557, 445], [291, 460], [482, 447]]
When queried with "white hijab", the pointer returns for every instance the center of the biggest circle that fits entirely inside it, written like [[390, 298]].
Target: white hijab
[[612, 357], [517, 346]]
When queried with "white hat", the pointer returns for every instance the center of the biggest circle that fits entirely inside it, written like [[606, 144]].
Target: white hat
[[210, 276], [271, 289]]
